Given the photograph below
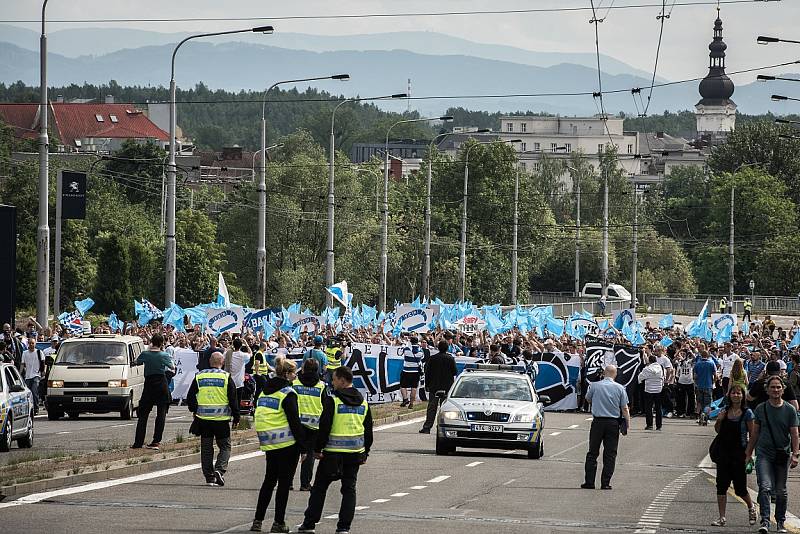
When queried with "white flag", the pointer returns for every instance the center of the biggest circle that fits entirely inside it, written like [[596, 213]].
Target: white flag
[[223, 299]]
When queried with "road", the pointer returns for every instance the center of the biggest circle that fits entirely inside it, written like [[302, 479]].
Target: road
[[404, 487]]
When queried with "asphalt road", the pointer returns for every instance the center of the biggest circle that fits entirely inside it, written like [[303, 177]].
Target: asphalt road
[[404, 487]]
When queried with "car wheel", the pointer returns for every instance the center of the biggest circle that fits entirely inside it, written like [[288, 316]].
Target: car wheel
[[26, 442], [536, 451], [443, 448], [6, 436], [73, 415], [127, 410], [54, 415]]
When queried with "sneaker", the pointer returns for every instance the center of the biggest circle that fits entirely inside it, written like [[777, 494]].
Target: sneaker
[[305, 529], [668, 415], [279, 527], [648, 427], [586, 485], [404, 403], [305, 488], [751, 512], [781, 527], [410, 405], [764, 528], [218, 478], [719, 522], [425, 431], [256, 527], [153, 446], [211, 481]]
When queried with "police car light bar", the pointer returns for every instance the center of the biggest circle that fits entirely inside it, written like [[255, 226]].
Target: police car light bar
[[494, 367]]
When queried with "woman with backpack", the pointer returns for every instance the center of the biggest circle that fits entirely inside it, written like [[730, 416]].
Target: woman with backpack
[[734, 426]]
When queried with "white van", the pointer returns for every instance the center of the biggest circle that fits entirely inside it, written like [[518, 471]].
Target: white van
[[96, 374], [594, 290]]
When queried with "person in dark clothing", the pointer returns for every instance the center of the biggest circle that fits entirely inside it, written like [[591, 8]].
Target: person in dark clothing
[[440, 373], [276, 408], [155, 392], [757, 392], [342, 446], [205, 356], [213, 426], [310, 395]]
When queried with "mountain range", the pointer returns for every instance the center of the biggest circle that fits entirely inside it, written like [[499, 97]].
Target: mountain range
[[444, 71]]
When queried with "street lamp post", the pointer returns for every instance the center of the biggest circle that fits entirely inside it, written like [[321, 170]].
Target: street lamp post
[[329, 256], [577, 230], [514, 249], [384, 262], [731, 267], [43, 229], [169, 292]]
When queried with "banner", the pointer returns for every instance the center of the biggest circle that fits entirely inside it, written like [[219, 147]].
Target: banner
[[627, 359], [185, 368], [415, 319], [557, 377], [306, 323], [627, 316], [221, 320], [471, 324], [255, 319], [73, 194], [721, 320]]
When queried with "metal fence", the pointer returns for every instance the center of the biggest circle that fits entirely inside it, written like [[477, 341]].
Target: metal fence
[[565, 306], [692, 304]]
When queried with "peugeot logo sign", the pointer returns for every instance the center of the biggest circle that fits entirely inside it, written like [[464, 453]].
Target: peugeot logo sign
[[85, 384]]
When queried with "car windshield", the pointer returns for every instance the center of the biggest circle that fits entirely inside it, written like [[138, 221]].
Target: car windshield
[[491, 387], [92, 353]]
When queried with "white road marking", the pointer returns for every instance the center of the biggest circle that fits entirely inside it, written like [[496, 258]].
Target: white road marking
[[361, 507], [65, 432], [332, 516], [176, 418], [418, 487], [474, 464], [581, 444], [509, 482], [401, 423], [653, 515], [555, 433], [399, 494], [440, 478], [123, 424], [573, 426], [514, 451], [588, 418], [379, 501]]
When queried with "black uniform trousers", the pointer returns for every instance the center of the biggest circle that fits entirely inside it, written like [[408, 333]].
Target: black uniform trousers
[[604, 431], [335, 466]]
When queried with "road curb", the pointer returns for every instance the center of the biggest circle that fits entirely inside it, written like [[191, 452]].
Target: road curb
[[47, 484]]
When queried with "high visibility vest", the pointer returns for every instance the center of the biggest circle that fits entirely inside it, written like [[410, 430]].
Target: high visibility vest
[[262, 365], [212, 395], [748, 305], [347, 430], [334, 355], [722, 305], [272, 426], [309, 402]]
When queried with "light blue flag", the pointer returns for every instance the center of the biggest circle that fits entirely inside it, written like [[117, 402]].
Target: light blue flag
[[704, 312], [268, 329], [629, 332], [368, 313], [666, 341], [84, 305], [709, 334], [795, 340], [387, 327], [603, 325], [745, 328], [307, 312], [625, 316], [286, 323], [493, 323], [725, 333], [174, 316], [667, 321], [115, 323], [143, 313], [339, 292], [416, 303], [638, 340], [296, 333], [398, 329], [294, 308], [555, 326]]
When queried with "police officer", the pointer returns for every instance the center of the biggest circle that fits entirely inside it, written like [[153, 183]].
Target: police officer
[[212, 400], [279, 434], [723, 303], [309, 391], [333, 352], [748, 307], [260, 366], [342, 446]]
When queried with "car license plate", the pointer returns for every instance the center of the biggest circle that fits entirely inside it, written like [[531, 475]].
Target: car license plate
[[487, 428], [84, 399]]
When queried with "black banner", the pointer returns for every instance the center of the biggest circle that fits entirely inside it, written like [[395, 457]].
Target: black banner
[[73, 195]]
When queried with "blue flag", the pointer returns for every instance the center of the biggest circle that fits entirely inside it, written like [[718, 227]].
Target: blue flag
[[795, 340], [724, 334], [666, 341], [84, 305], [666, 322], [115, 323], [555, 326], [745, 328], [268, 329]]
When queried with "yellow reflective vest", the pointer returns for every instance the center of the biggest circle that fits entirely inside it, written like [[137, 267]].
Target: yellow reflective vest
[[263, 368], [347, 430], [212, 395], [309, 402], [748, 305], [272, 425], [334, 355]]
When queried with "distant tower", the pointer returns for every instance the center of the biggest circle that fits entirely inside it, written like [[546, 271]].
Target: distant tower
[[716, 112]]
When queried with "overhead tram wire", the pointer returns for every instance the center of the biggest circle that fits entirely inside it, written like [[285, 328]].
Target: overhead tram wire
[[380, 15]]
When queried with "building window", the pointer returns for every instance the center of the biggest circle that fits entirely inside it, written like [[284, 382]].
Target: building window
[[535, 167], [537, 147], [630, 149], [509, 126], [553, 147], [113, 118], [600, 148], [99, 117], [524, 146], [523, 127], [568, 147]]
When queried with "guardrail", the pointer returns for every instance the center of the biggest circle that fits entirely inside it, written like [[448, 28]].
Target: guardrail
[[691, 305], [565, 309]]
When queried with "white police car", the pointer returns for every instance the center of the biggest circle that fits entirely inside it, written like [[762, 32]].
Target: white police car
[[16, 409], [492, 407]]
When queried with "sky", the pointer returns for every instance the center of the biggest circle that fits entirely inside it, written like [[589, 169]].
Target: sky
[[630, 35]]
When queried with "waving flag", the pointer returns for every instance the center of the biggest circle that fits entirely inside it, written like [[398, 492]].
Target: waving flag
[[339, 292], [795, 340], [84, 305], [667, 321], [268, 329], [745, 328], [666, 341], [174, 316], [223, 299], [704, 312], [115, 323], [724, 334], [555, 326]]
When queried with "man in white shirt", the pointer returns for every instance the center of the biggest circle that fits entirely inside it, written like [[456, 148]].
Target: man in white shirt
[[32, 364], [238, 360], [728, 359], [653, 378], [669, 380]]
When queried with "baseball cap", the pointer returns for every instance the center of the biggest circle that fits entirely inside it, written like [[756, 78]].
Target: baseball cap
[[318, 340], [54, 338], [773, 368]]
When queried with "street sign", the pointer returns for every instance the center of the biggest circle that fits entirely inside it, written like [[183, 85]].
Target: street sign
[[752, 285]]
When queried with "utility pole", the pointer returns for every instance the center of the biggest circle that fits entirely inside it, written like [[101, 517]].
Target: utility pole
[[730, 249], [635, 245], [578, 238], [43, 229], [426, 264], [462, 256], [605, 233], [514, 249]]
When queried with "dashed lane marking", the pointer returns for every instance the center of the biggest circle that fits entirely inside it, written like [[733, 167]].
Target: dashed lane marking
[[332, 516], [555, 433], [398, 494], [509, 482], [123, 424], [573, 426], [653, 515], [64, 432], [418, 487], [379, 501], [440, 478], [361, 507], [474, 464], [588, 418]]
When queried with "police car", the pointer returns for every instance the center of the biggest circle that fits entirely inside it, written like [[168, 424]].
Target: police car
[[492, 407], [16, 409]]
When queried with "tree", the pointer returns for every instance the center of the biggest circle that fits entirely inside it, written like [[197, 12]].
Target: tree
[[139, 168], [112, 290], [78, 266], [776, 268]]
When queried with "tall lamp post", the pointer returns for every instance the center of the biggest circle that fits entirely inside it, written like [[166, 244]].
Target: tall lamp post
[[731, 265], [329, 255], [385, 215], [462, 259], [43, 229], [261, 251], [169, 293]]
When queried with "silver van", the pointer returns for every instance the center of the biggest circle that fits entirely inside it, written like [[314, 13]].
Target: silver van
[[96, 374]]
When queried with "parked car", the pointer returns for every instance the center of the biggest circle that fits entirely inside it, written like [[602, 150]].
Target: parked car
[[16, 409], [96, 374], [492, 407]]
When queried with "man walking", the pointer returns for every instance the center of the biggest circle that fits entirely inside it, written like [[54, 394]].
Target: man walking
[[342, 447], [609, 403], [704, 374], [212, 400], [653, 378], [412, 369], [440, 372], [32, 367], [774, 435]]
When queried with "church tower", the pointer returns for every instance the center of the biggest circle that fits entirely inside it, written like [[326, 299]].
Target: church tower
[[716, 112]]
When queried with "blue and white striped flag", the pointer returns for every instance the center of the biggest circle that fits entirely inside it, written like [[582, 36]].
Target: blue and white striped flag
[[339, 292]]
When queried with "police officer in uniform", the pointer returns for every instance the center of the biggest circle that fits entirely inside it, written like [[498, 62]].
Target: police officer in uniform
[[748, 308], [260, 366], [279, 435], [212, 400], [310, 390], [342, 446]]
